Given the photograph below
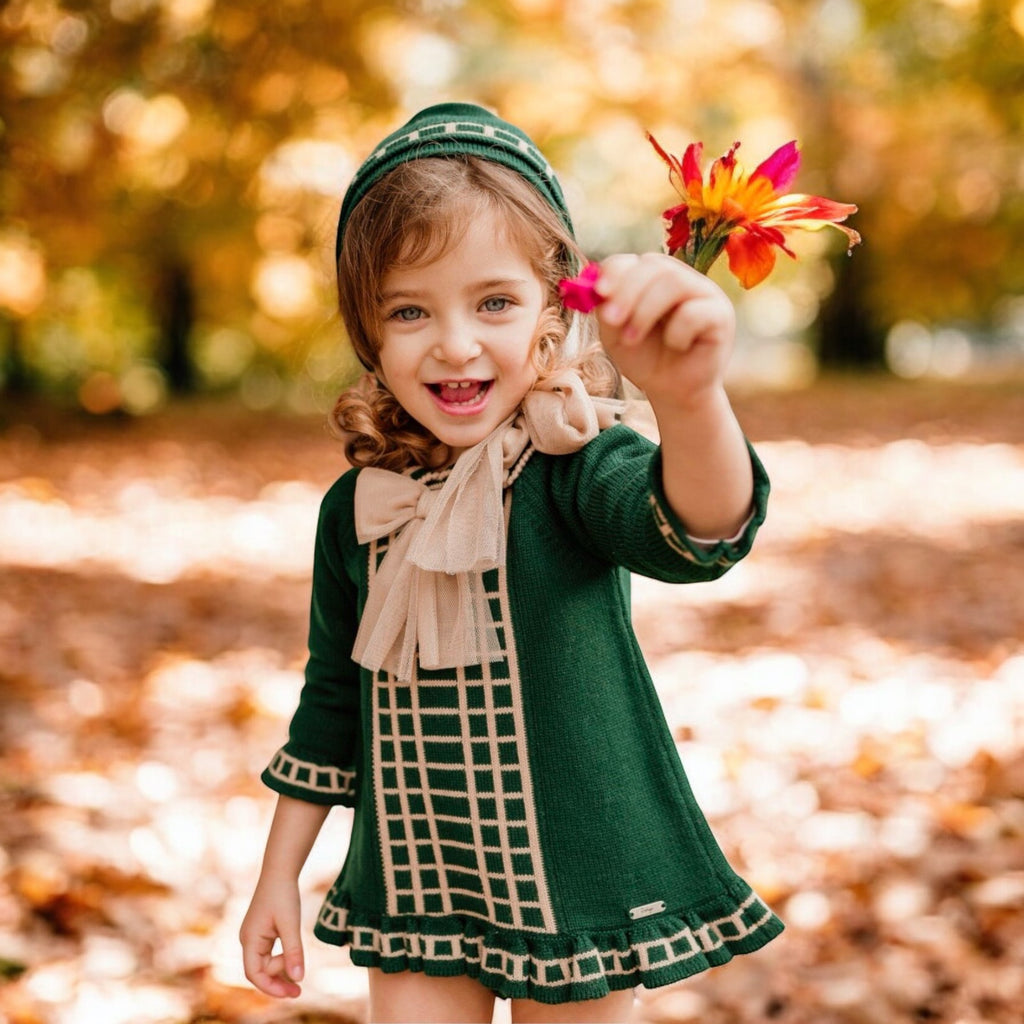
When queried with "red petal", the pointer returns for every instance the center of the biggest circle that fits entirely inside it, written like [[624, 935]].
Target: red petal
[[781, 167], [771, 235], [667, 157], [677, 227], [578, 292], [692, 173], [676, 172], [751, 257]]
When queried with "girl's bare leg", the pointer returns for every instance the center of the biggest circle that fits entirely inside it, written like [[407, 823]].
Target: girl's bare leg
[[412, 996], [616, 1008]]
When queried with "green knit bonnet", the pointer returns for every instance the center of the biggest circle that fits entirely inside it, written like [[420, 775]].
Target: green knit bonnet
[[452, 130]]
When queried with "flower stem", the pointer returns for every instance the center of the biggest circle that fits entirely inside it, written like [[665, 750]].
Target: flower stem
[[705, 257], [703, 249]]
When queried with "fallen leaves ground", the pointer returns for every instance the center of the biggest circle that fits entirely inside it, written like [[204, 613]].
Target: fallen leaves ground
[[849, 703]]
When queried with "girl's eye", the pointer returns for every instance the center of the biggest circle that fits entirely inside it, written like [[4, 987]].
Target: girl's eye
[[496, 304], [407, 314]]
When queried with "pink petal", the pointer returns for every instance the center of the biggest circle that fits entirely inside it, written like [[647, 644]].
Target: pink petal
[[781, 167], [579, 292], [799, 208]]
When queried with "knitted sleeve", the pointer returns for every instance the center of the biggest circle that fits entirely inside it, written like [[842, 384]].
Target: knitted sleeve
[[611, 497], [318, 763]]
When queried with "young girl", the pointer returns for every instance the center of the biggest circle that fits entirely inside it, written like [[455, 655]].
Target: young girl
[[523, 827]]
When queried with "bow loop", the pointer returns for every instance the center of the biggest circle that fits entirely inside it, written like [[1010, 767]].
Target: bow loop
[[386, 501], [561, 416]]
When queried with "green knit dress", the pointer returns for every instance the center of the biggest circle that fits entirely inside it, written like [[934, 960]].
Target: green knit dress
[[526, 822]]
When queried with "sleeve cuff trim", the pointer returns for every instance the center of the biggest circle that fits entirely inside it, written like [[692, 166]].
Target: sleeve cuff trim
[[701, 552], [317, 778]]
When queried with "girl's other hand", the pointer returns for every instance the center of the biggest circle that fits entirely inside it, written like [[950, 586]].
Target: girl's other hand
[[668, 328], [273, 914]]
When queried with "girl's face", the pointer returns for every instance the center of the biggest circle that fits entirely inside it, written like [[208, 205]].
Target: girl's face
[[458, 332]]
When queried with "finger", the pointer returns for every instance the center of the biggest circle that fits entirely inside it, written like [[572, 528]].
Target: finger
[[615, 270], [612, 270], [255, 953], [269, 973], [294, 963], [277, 986], [268, 980], [636, 283], [280, 968], [700, 319], [272, 979], [290, 932], [660, 299]]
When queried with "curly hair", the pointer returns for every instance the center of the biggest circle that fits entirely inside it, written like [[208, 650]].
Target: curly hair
[[411, 217]]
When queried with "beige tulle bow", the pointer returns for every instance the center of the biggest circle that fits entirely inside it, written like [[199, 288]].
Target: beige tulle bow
[[427, 597]]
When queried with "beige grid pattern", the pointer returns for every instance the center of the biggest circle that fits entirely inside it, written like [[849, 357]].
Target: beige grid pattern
[[455, 805]]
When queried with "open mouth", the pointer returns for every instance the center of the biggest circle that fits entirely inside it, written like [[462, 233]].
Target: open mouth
[[464, 394]]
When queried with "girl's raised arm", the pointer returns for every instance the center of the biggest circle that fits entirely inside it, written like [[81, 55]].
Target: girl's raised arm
[[670, 330]]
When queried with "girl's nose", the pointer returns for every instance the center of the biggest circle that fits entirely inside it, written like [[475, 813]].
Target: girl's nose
[[457, 345]]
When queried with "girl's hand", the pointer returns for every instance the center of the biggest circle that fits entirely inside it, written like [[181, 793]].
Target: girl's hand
[[668, 328], [273, 914], [670, 331]]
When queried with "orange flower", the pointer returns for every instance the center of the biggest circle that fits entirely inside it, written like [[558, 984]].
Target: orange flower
[[746, 215]]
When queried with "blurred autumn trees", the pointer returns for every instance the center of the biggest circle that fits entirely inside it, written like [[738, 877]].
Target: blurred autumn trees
[[170, 168], [148, 150]]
